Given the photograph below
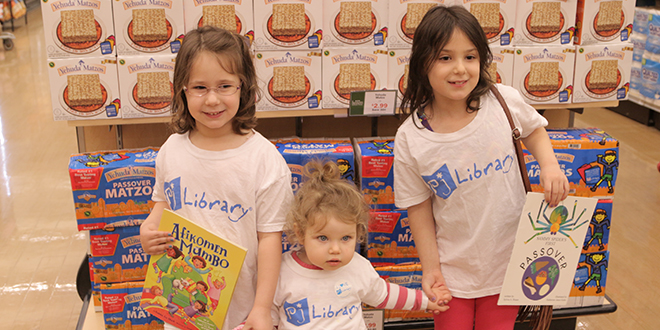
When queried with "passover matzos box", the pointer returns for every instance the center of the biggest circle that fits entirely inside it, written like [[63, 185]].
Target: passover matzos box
[[146, 85], [375, 161], [547, 22], [404, 18], [110, 184], [350, 70], [602, 72], [589, 157], [117, 255], [230, 15], [84, 88], [496, 17], [501, 68], [148, 27], [604, 21], [544, 74], [389, 239], [355, 23], [289, 80], [397, 70], [121, 307], [288, 24], [78, 28]]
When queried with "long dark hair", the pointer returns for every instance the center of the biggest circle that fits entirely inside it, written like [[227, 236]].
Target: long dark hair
[[233, 52], [433, 33]]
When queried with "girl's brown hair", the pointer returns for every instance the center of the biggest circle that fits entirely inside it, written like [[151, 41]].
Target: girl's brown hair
[[324, 193], [233, 53], [433, 33]]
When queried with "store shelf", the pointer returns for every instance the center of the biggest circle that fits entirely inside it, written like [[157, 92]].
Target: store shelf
[[644, 103]]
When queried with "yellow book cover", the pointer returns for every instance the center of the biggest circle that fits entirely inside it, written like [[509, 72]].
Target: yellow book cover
[[191, 285]]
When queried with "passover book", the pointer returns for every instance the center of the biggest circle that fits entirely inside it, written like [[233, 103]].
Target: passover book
[[191, 285], [546, 251]]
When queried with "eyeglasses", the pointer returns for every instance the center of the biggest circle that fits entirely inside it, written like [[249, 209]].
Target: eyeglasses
[[226, 90]]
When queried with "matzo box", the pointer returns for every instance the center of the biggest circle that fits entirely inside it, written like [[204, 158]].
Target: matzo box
[[110, 184], [232, 15], [405, 17], [148, 27], [544, 75], [604, 21], [502, 64], [590, 280], [355, 23], [389, 239], [547, 22], [375, 158], [397, 70], [289, 80], [298, 152], [496, 17], [349, 70], [84, 88], [121, 307], [589, 157], [288, 24], [602, 72], [116, 253], [146, 85], [78, 28]]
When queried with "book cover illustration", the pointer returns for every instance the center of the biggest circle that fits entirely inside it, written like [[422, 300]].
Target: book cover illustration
[[546, 251], [191, 285]]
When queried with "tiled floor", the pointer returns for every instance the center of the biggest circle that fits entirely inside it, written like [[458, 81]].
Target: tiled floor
[[40, 248]]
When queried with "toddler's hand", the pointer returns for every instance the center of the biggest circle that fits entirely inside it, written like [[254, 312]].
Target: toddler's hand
[[442, 294], [435, 308], [555, 185]]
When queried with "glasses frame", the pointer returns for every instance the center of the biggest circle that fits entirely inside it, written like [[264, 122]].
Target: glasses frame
[[216, 90]]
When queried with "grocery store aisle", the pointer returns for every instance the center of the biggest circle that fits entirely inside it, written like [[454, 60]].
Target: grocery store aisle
[[40, 248]]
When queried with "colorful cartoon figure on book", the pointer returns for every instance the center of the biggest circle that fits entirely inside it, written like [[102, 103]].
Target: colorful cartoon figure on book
[[557, 223], [596, 262], [345, 169], [162, 265], [189, 313], [609, 162], [599, 222], [159, 300], [215, 289]]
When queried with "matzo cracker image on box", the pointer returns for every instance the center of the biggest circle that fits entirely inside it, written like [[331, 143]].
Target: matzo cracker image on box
[[78, 28], [355, 22], [221, 16], [289, 24], [544, 74], [346, 71], [147, 85], [546, 22], [231, 15], [496, 17], [148, 26], [84, 88], [404, 17], [605, 21]]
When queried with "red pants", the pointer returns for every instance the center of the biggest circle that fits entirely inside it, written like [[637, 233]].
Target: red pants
[[479, 314]]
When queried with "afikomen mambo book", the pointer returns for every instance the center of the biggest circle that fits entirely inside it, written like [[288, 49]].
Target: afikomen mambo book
[[191, 285]]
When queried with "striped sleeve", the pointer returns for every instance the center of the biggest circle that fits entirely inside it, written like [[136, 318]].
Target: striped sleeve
[[399, 297]]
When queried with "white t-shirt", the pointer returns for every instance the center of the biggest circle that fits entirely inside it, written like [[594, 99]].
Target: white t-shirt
[[233, 193], [316, 299], [477, 190]]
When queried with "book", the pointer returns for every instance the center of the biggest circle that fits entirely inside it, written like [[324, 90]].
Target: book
[[546, 251], [191, 285]]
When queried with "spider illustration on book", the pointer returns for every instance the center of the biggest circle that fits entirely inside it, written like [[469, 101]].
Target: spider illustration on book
[[557, 223]]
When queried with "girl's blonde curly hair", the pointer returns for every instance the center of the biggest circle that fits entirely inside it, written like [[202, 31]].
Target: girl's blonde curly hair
[[323, 194]]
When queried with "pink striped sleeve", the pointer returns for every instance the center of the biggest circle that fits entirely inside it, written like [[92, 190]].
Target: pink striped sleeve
[[399, 297]]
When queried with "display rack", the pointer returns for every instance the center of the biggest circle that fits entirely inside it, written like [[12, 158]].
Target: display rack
[[298, 114]]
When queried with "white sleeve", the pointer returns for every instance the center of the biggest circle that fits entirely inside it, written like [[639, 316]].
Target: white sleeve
[[275, 197], [409, 185]]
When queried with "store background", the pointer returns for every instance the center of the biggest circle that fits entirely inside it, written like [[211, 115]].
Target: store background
[[41, 249]]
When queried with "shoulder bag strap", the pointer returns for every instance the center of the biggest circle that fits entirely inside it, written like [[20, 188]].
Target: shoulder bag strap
[[539, 316], [515, 134]]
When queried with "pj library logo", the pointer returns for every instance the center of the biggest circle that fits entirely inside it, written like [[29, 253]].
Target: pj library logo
[[178, 197], [299, 313], [444, 181]]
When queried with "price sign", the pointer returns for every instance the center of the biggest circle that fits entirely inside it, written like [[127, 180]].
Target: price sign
[[373, 103], [373, 319]]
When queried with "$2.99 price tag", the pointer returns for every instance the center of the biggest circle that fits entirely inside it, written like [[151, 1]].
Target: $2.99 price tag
[[373, 319], [373, 103]]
